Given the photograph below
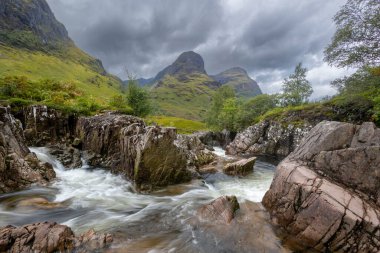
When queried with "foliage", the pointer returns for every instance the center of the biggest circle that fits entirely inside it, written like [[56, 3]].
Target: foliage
[[228, 117], [214, 115], [364, 80], [20, 91], [118, 102], [184, 126], [296, 89], [138, 99], [255, 107], [357, 39]]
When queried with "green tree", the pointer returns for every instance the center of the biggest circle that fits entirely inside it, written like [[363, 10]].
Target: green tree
[[256, 107], [229, 114], [296, 89], [138, 99], [357, 38], [218, 99]]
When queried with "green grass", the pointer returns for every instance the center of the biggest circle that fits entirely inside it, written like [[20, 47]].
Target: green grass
[[184, 126], [187, 99], [73, 65]]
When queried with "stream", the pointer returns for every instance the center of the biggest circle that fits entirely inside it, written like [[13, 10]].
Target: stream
[[88, 198]]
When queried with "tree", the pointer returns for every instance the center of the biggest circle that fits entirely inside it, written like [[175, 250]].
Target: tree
[[357, 38], [256, 107], [138, 99], [229, 114], [218, 99], [296, 89]]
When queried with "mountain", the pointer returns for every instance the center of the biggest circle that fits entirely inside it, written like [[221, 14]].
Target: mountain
[[34, 44], [239, 79], [183, 89]]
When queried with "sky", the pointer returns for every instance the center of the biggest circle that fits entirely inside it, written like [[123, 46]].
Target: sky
[[266, 37]]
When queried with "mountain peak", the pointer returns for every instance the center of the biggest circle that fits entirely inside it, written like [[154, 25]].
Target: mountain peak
[[30, 23], [236, 70]]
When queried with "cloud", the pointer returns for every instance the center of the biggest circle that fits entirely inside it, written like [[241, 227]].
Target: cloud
[[268, 38]]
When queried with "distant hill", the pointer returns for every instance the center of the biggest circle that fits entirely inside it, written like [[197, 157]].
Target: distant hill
[[34, 44], [239, 79]]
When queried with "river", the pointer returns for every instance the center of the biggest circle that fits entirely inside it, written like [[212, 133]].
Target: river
[[95, 198]]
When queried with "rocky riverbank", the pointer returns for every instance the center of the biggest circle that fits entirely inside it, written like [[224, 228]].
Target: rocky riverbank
[[326, 193], [268, 138]]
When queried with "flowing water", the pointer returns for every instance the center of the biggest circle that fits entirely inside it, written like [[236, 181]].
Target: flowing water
[[94, 198]]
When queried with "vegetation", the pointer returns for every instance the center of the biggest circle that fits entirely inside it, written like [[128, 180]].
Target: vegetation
[[296, 89], [74, 66], [357, 39], [185, 99], [66, 96], [184, 126], [137, 99]]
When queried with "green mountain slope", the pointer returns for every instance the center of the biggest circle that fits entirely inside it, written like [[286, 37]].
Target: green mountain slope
[[184, 89], [239, 80], [34, 44]]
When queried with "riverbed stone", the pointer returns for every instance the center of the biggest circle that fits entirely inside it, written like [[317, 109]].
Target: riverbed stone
[[326, 193], [222, 209], [240, 168], [19, 168], [49, 237]]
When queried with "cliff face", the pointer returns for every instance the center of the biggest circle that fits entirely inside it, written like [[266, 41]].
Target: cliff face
[[327, 192], [19, 168], [30, 19]]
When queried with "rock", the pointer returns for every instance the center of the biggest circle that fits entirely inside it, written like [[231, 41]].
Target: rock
[[39, 203], [19, 168], [212, 139], [268, 137], [326, 193], [70, 157], [49, 237], [196, 152], [147, 155], [240, 168], [249, 231], [220, 210], [44, 125]]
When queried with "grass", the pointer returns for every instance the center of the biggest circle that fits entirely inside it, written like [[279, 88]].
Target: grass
[[184, 126], [184, 99], [72, 66]]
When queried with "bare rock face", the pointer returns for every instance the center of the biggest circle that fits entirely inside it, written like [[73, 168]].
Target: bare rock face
[[267, 137], [49, 237], [220, 210], [147, 155], [326, 193], [240, 168], [19, 168], [44, 125]]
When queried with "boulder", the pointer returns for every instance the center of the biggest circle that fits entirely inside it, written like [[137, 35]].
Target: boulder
[[148, 155], [326, 193], [220, 210], [269, 138], [49, 237], [19, 168], [240, 168]]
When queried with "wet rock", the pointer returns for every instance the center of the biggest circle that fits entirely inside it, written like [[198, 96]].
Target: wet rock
[[70, 157], [49, 237], [268, 137], [148, 155], [326, 193], [240, 168], [212, 139], [220, 210], [39, 203], [19, 168], [249, 231], [44, 125], [196, 152]]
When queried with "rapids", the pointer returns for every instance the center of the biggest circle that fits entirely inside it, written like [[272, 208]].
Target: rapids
[[94, 198]]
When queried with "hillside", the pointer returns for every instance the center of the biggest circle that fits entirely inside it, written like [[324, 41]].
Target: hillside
[[183, 89], [35, 45], [240, 81]]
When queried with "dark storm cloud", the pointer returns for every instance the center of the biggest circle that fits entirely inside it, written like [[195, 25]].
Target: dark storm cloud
[[268, 38]]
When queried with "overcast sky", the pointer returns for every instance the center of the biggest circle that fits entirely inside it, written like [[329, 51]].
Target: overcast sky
[[266, 37]]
